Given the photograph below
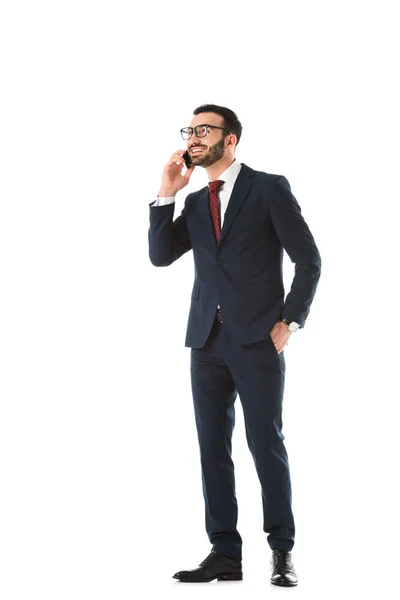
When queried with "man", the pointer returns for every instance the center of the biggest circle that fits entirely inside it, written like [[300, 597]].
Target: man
[[238, 326]]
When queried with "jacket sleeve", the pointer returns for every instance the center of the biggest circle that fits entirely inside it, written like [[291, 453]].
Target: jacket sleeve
[[297, 240], [168, 239]]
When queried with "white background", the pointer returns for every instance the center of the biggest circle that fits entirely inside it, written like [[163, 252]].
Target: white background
[[100, 477]]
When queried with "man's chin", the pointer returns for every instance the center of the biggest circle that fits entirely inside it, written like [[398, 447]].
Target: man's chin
[[197, 161]]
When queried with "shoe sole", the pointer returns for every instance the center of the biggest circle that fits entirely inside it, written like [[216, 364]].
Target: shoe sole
[[226, 577]]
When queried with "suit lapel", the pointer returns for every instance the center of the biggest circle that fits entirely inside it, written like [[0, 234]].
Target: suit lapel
[[239, 194]]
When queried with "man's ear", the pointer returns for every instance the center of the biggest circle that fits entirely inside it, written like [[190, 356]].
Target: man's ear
[[232, 143]]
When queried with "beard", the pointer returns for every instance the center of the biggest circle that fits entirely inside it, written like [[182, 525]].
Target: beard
[[210, 156]]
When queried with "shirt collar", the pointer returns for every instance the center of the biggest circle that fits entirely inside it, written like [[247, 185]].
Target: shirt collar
[[230, 174]]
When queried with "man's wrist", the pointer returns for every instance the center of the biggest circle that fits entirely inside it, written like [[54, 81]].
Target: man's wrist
[[164, 193]]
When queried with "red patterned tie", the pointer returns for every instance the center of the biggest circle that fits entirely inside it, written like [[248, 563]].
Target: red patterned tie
[[213, 194]]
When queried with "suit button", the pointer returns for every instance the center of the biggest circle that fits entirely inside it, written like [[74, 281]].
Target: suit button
[[219, 261]]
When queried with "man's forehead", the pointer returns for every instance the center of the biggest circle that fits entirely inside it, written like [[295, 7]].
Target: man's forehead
[[209, 118]]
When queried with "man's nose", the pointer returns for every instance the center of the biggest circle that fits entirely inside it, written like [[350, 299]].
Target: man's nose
[[194, 140]]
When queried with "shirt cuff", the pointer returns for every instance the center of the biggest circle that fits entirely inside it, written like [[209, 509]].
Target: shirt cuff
[[161, 201]]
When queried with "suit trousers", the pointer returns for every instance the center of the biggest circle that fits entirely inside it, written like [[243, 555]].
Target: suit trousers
[[219, 371]]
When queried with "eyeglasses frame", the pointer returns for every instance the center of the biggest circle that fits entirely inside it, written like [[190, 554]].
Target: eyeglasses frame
[[202, 125]]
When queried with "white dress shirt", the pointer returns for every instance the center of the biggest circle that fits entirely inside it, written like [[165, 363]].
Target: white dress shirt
[[228, 176]]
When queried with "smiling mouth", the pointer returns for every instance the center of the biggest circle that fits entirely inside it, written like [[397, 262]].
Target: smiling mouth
[[194, 152]]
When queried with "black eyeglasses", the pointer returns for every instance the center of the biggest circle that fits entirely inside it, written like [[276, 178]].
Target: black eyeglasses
[[199, 130]]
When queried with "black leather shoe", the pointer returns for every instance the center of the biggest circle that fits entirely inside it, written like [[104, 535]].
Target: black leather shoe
[[215, 566], [282, 567]]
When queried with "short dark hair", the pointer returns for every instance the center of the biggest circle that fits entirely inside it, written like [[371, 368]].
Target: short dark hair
[[230, 120]]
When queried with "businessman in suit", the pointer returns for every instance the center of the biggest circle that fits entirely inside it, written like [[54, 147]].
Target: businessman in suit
[[239, 324]]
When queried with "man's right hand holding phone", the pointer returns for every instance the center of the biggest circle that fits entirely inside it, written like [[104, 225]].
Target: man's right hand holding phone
[[172, 179]]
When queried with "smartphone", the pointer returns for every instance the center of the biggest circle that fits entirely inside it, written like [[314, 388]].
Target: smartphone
[[187, 159]]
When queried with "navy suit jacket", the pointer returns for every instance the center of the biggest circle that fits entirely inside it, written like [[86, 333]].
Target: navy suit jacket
[[243, 271]]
